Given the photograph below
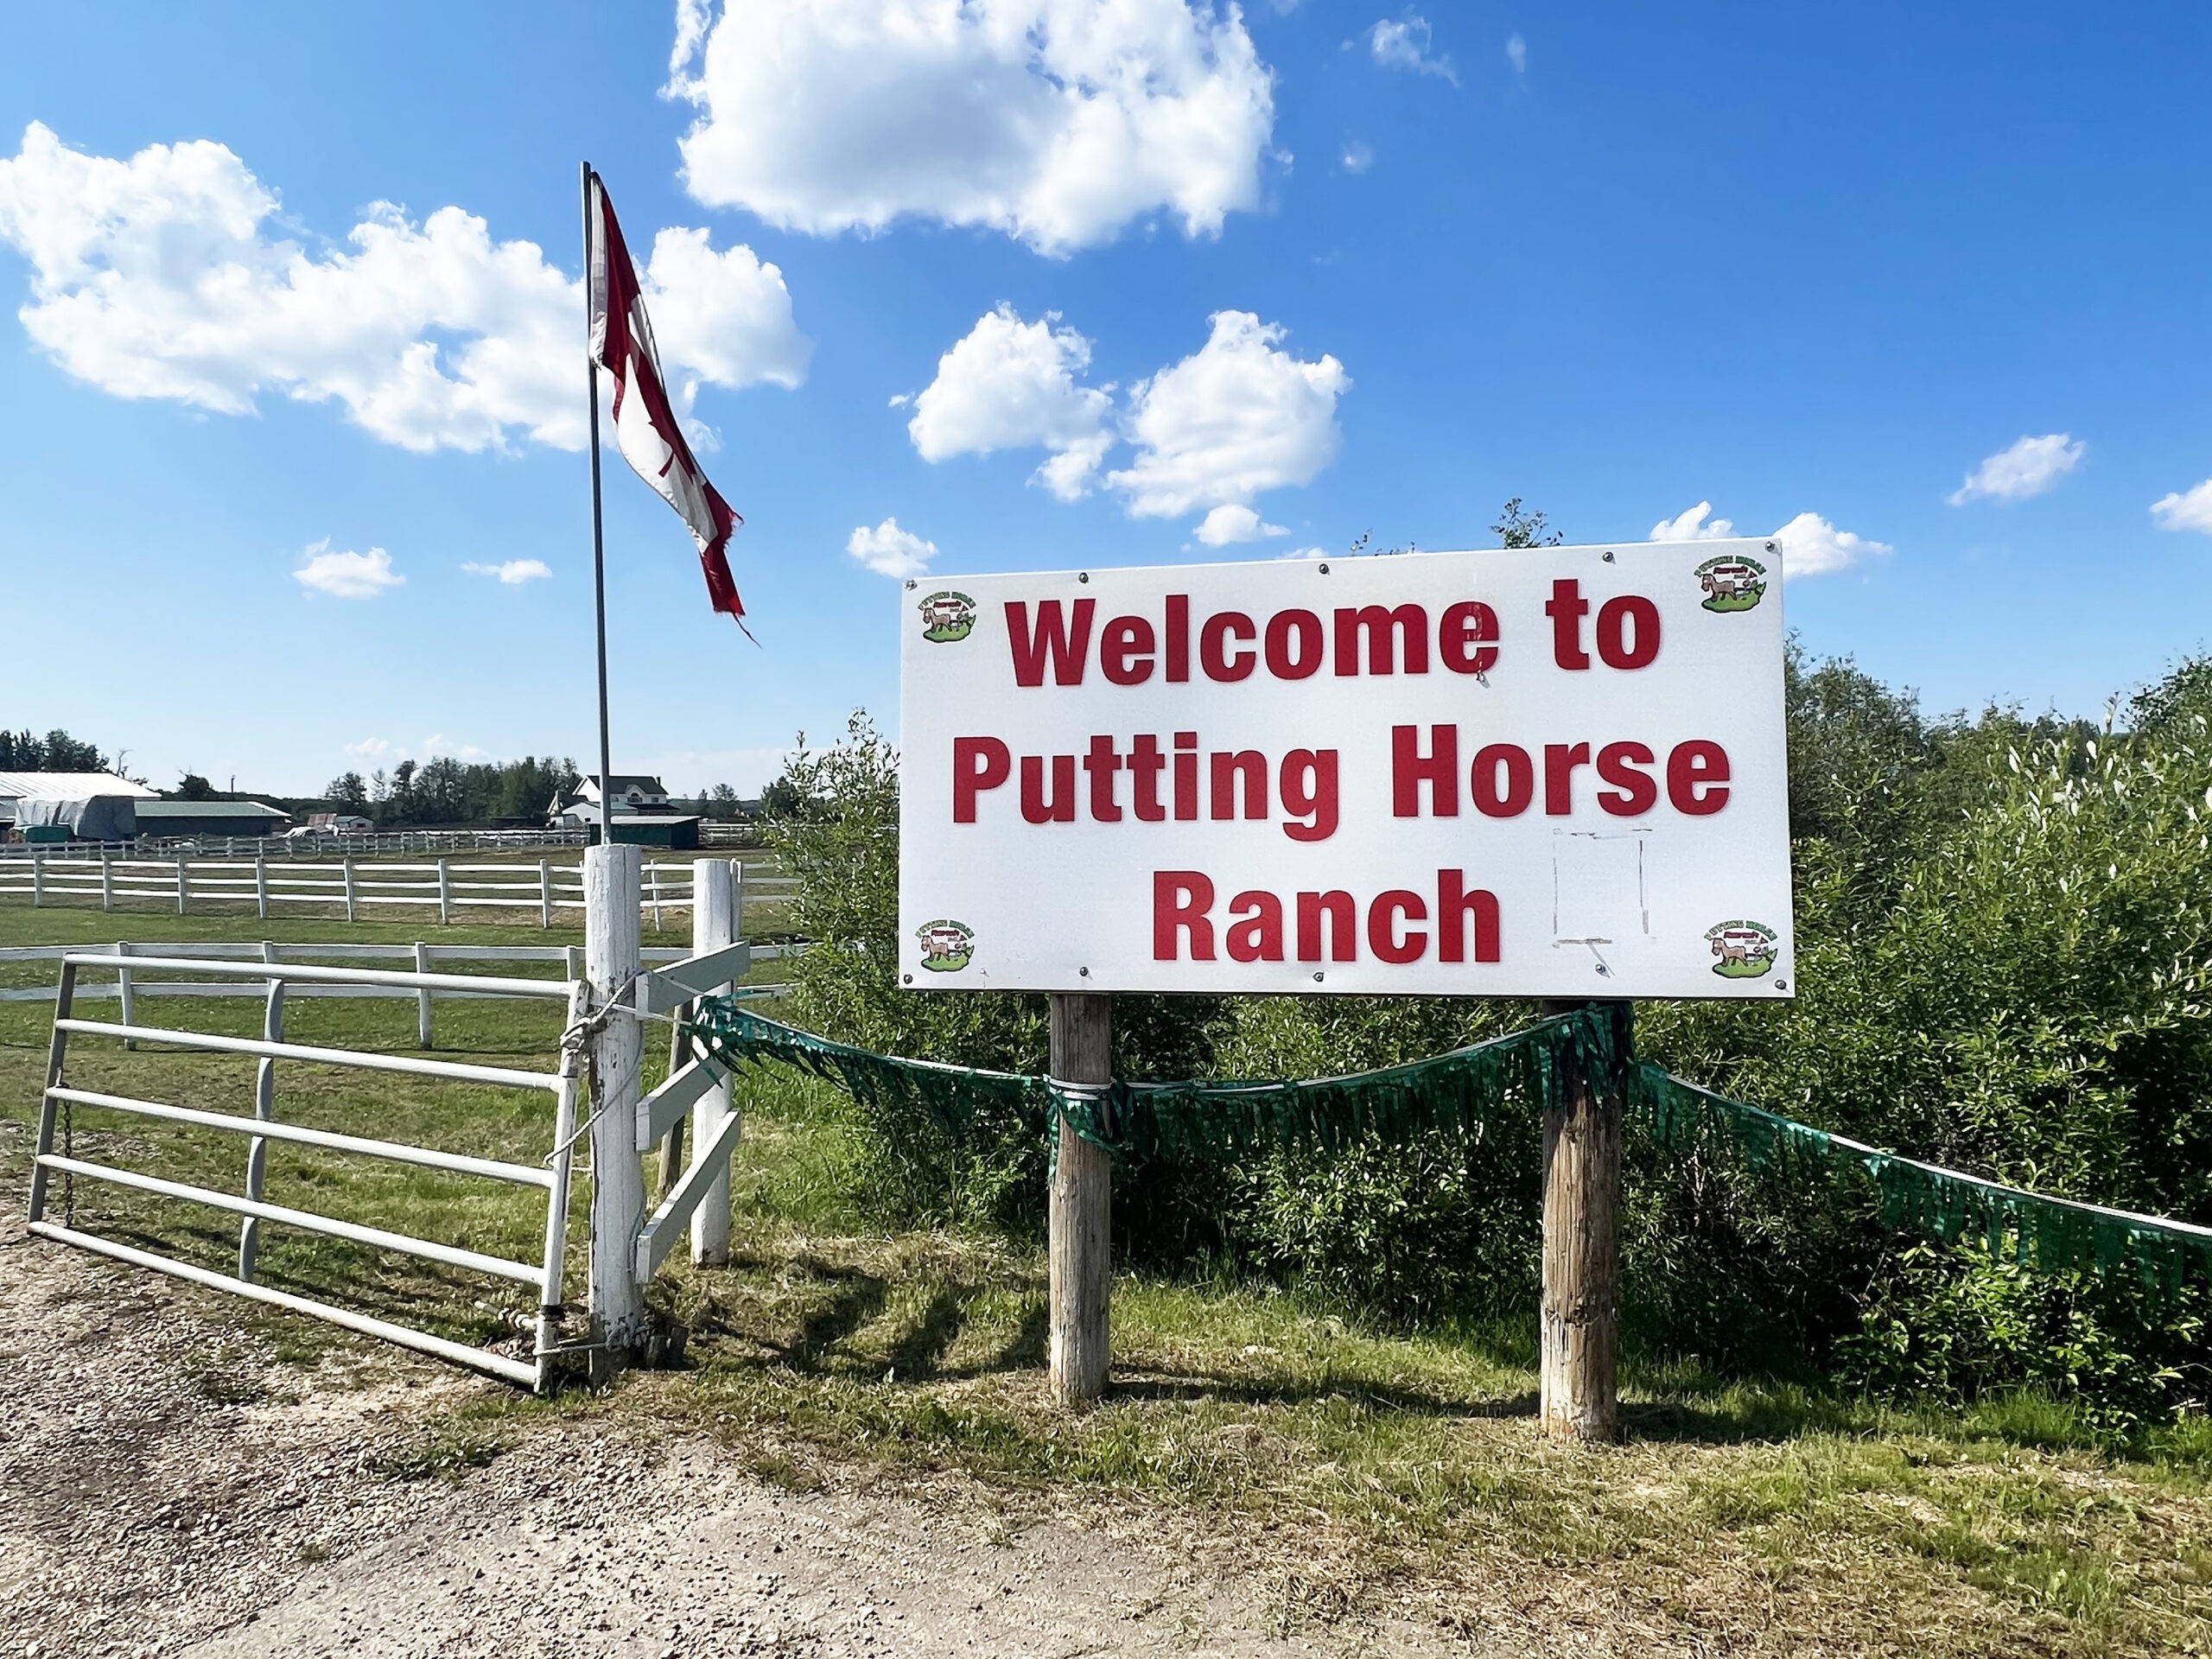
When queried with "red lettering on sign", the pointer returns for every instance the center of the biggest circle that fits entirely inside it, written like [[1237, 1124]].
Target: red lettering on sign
[[1438, 769], [1455, 903], [1465, 638], [1697, 777], [1628, 632], [1634, 792], [978, 764], [1180, 899], [1256, 937], [1382, 936], [1052, 637]]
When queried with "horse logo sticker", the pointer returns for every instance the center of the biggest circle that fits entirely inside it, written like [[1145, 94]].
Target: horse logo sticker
[[947, 616], [1743, 950], [1731, 584], [947, 947]]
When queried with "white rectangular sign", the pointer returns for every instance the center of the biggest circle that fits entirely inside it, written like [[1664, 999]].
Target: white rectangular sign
[[1551, 771]]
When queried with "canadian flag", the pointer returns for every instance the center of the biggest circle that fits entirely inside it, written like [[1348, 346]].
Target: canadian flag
[[645, 422]]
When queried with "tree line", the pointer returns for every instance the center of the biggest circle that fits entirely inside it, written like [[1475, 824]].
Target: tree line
[[447, 791], [56, 752]]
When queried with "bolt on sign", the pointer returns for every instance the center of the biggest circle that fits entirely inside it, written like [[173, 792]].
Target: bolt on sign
[[1550, 771]]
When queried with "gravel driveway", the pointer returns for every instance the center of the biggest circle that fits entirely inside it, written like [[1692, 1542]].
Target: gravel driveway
[[171, 1486]]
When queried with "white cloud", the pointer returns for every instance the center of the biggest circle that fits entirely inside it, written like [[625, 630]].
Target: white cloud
[[1406, 44], [891, 551], [368, 750], [2029, 467], [346, 576], [1304, 553], [1237, 417], [1234, 418], [436, 744], [2185, 510], [1691, 526], [1810, 545], [159, 276], [1516, 53], [513, 573], [1235, 523], [1012, 385], [1058, 121], [1358, 157]]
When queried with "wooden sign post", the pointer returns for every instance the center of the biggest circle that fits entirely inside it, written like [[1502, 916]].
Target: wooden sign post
[[1081, 1218], [1578, 1336]]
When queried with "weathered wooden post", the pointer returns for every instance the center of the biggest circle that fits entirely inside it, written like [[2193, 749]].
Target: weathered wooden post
[[1080, 1222], [107, 880], [618, 1182], [445, 896], [38, 879], [349, 865], [545, 892], [714, 924], [1579, 1341], [261, 881], [183, 884]]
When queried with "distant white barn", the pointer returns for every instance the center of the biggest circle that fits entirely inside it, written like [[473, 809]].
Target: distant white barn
[[94, 804]]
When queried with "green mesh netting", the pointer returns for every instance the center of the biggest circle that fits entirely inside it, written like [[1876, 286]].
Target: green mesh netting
[[1458, 1090]]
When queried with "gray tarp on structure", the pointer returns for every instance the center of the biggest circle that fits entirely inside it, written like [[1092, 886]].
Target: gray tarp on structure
[[98, 817]]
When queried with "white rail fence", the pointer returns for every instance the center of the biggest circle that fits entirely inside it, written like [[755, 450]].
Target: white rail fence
[[604, 1005], [351, 885]]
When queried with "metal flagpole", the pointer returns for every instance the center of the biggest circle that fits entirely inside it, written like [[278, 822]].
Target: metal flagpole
[[598, 537]]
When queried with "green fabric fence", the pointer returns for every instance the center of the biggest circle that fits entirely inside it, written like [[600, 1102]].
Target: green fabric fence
[[1459, 1091]]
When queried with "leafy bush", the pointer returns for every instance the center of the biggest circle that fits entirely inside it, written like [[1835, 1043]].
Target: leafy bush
[[2003, 945]]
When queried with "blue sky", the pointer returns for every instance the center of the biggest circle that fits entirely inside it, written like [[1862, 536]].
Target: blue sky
[[1318, 270]]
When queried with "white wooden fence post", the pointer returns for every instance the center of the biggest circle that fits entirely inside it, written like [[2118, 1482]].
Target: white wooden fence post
[[545, 893], [107, 880], [714, 924], [445, 897], [422, 998], [618, 1182], [264, 1108], [38, 879], [348, 863], [183, 884], [261, 882]]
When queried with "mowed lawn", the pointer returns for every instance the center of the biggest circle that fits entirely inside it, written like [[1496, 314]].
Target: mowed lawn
[[1358, 1471]]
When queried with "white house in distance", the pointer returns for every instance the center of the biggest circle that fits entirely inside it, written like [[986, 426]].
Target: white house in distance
[[634, 794]]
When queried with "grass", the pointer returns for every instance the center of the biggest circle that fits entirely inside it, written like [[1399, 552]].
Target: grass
[[1356, 1470]]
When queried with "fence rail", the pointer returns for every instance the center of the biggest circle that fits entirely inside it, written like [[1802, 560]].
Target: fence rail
[[711, 835], [95, 874], [228, 971]]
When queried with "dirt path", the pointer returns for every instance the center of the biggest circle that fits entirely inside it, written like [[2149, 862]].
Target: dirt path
[[171, 1486]]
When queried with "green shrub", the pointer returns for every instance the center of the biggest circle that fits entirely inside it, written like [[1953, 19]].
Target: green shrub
[[2004, 956]]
